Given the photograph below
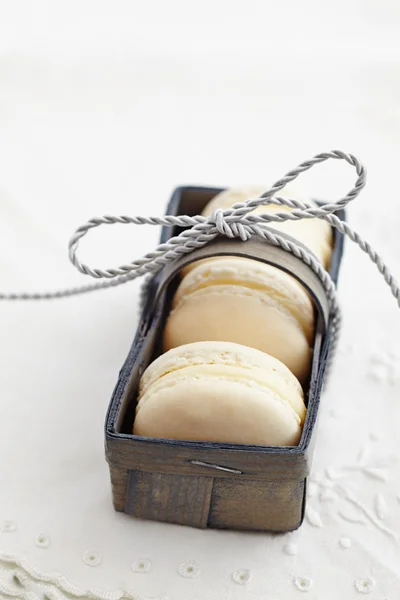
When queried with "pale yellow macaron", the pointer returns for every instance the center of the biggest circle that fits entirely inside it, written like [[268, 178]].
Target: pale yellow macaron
[[316, 234], [248, 302], [220, 392]]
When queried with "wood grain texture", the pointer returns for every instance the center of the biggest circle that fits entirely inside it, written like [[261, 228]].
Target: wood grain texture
[[172, 498], [151, 486], [257, 505], [119, 482], [174, 457]]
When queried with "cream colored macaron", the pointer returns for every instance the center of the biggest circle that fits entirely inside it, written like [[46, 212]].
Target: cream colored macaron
[[248, 302], [222, 392], [316, 234]]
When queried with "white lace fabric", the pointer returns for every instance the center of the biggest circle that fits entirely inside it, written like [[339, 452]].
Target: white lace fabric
[[68, 151]]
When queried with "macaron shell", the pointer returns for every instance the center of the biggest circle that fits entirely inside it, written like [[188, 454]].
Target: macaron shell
[[277, 285], [315, 234], [217, 353], [231, 196], [237, 314], [208, 359], [208, 408]]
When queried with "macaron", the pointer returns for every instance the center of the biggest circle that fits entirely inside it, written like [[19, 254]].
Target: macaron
[[316, 234], [244, 301], [220, 392]]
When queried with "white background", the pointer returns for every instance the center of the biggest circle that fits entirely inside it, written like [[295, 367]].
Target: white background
[[105, 107]]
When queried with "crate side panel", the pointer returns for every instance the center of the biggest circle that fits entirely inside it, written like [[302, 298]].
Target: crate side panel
[[167, 497], [119, 483], [257, 505]]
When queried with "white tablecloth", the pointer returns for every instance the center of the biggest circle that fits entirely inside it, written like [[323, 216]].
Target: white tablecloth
[[104, 108]]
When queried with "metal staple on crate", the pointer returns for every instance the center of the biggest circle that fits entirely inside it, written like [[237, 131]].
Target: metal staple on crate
[[200, 463]]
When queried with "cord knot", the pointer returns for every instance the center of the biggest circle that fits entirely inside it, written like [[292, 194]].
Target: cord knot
[[232, 229]]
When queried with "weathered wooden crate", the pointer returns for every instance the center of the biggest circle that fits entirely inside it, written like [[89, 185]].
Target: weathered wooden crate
[[204, 484]]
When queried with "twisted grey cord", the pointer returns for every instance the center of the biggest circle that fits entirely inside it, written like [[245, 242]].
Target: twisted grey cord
[[233, 222]]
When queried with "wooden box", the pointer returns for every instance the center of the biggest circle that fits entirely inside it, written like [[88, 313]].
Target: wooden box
[[205, 484]]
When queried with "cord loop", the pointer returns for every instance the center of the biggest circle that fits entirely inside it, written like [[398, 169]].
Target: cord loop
[[237, 221]]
